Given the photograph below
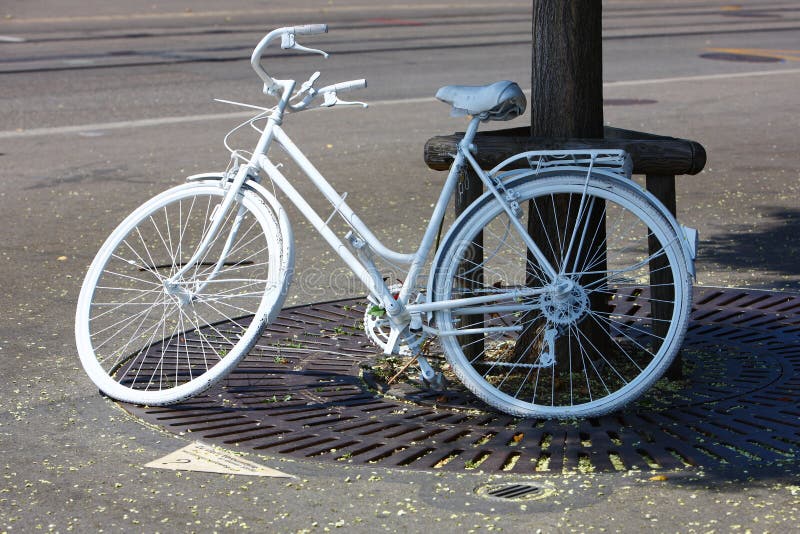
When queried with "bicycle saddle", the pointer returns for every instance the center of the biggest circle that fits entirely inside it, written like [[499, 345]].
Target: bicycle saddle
[[500, 101]]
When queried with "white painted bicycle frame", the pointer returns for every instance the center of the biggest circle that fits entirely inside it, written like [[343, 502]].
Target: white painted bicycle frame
[[398, 309], [364, 242]]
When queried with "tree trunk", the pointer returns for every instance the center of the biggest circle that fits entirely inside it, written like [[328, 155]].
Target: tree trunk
[[566, 102], [567, 69]]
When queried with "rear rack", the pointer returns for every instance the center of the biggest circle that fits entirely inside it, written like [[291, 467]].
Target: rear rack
[[617, 161]]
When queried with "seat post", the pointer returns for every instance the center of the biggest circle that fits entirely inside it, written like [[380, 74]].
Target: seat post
[[466, 143]]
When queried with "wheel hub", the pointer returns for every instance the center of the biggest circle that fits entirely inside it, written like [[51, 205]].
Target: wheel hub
[[178, 292], [564, 302]]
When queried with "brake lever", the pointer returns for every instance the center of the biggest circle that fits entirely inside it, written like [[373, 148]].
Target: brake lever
[[332, 100], [288, 42]]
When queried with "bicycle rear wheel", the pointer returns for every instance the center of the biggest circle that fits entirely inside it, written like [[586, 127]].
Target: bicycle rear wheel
[[148, 339], [586, 343]]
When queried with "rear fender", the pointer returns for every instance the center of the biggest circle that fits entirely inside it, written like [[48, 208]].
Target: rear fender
[[687, 236]]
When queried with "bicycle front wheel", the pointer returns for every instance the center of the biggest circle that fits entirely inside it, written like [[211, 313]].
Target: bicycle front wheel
[[147, 336], [583, 343]]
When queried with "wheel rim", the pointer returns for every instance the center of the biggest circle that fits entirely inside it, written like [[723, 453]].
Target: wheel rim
[[593, 372], [147, 336]]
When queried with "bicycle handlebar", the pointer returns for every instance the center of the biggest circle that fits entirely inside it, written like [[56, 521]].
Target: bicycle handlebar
[[273, 86], [342, 87], [270, 84]]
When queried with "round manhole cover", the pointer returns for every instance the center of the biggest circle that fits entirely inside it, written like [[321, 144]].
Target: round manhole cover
[[301, 392]]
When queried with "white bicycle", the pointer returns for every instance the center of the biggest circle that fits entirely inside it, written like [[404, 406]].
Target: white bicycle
[[574, 318]]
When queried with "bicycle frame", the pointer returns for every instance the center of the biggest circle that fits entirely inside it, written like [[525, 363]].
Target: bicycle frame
[[362, 265], [398, 308], [365, 242]]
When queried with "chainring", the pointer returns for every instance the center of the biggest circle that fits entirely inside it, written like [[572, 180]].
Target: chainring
[[378, 329]]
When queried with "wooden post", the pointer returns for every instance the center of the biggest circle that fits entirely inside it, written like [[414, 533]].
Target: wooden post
[[652, 154], [566, 101], [662, 291]]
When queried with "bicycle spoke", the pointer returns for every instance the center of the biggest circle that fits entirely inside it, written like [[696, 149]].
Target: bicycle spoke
[[149, 267], [583, 343], [122, 351], [211, 246], [160, 363], [151, 336], [201, 235], [122, 324], [166, 242], [118, 305]]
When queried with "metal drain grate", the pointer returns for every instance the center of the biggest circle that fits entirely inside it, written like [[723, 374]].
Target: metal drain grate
[[300, 393], [510, 492]]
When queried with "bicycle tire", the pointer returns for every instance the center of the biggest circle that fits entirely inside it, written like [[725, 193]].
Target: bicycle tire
[[593, 373], [143, 342]]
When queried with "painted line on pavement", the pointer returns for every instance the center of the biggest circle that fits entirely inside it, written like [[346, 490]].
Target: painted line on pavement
[[61, 130], [703, 77]]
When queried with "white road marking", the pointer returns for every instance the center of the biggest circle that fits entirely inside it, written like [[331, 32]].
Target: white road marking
[[703, 77], [139, 123], [10, 39], [60, 130]]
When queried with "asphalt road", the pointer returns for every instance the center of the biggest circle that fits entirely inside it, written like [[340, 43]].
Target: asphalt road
[[103, 104]]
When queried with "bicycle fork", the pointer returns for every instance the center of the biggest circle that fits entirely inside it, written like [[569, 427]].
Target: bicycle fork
[[172, 284]]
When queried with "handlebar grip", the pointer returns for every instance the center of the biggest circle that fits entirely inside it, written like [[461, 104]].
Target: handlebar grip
[[310, 29], [342, 87]]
